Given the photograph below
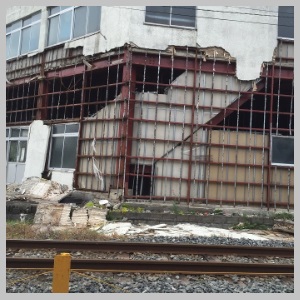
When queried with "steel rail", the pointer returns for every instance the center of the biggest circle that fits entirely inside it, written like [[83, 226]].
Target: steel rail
[[149, 266], [174, 248]]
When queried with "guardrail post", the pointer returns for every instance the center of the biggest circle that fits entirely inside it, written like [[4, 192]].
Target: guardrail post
[[61, 273]]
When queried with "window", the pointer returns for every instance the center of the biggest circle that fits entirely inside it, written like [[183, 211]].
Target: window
[[286, 22], [282, 150], [16, 144], [68, 22], [23, 36], [171, 15], [64, 146]]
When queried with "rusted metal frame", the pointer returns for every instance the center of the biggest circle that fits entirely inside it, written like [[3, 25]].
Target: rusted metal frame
[[204, 160], [232, 107], [170, 105], [223, 141], [227, 182], [284, 73], [116, 122], [126, 126], [270, 139], [80, 133], [179, 63], [183, 125], [139, 139], [192, 126], [202, 200]]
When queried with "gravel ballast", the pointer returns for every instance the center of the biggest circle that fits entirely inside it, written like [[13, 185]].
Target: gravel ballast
[[96, 282]]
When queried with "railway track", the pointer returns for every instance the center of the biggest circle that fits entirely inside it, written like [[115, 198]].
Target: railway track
[[178, 267], [106, 246], [151, 266]]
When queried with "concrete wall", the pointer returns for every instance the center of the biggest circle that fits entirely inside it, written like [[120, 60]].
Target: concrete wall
[[250, 39], [96, 166], [38, 140]]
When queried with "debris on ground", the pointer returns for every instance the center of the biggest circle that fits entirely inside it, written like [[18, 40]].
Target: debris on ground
[[36, 188]]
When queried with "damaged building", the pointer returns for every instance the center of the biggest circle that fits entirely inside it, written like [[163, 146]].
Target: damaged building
[[190, 104]]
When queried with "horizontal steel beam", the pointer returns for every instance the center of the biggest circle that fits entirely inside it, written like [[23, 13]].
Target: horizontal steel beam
[[149, 266]]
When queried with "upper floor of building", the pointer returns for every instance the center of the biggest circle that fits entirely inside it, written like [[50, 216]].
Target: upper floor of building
[[248, 34]]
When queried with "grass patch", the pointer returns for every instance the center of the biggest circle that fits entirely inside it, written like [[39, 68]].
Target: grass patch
[[248, 225], [218, 212], [284, 216]]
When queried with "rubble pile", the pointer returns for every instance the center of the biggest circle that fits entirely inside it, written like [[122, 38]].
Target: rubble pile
[[36, 188]]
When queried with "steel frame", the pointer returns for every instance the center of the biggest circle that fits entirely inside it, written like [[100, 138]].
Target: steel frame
[[127, 63]]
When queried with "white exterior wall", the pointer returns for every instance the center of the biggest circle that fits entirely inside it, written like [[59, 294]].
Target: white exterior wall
[[251, 40], [63, 177], [38, 140]]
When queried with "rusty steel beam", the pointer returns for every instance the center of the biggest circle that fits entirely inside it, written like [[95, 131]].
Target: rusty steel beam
[[177, 248], [148, 266], [225, 112]]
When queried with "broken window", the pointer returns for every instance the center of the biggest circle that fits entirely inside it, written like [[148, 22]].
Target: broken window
[[172, 15], [282, 150], [23, 36], [64, 146], [286, 22], [67, 22]]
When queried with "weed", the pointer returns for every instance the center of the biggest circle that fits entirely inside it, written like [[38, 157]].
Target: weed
[[218, 212], [248, 225], [89, 204], [176, 210], [140, 210], [124, 210], [284, 216]]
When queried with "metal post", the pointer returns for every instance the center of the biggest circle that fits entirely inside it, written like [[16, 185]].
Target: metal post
[[61, 273]]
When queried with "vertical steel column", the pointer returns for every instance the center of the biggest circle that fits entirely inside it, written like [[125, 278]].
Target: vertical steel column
[[126, 128], [80, 135], [41, 113], [192, 127], [270, 139]]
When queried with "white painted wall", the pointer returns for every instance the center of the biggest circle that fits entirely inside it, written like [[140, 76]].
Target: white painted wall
[[63, 177], [250, 38], [36, 149]]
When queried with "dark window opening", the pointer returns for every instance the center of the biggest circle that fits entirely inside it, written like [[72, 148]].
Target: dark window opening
[[282, 150], [21, 102], [101, 88], [140, 180], [255, 113], [286, 22], [149, 83]]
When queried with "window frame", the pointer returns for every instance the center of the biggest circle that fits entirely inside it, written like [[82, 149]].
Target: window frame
[[64, 135], [9, 138], [170, 20], [280, 164], [20, 29], [280, 16], [63, 11]]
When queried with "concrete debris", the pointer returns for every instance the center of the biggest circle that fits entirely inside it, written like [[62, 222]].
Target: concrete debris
[[286, 226], [80, 217], [36, 188], [119, 228], [96, 217], [48, 214], [125, 228]]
